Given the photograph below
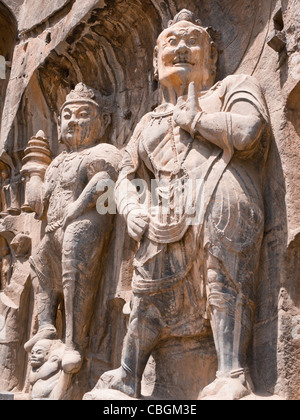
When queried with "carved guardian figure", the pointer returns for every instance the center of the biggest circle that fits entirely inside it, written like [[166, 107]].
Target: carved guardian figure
[[188, 275], [67, 263]]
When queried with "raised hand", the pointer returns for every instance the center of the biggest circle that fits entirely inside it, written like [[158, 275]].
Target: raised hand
[[186, 111]]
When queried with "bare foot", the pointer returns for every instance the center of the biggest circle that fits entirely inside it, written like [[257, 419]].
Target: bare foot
[[226, 388], [122, 381]]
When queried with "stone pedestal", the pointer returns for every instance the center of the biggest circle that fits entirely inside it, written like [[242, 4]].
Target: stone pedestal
[[6, 396]]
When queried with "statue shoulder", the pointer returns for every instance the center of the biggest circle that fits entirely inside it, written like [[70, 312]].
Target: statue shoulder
[[57, 161], [104, 151], [54, 165], [243, 87], [133, 143], [241, 80], [144, 122], [235, 82], [103, 158]]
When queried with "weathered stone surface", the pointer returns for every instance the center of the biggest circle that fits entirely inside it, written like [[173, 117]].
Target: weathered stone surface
[[31, 16], [6, 396], [49, 48]]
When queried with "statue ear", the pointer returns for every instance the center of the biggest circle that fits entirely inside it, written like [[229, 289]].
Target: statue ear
[[155, 63], [59, 129], [213, 58], [106, 121]]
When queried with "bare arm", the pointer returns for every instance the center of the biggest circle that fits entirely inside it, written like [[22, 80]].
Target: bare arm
[[127, 197], [129, 206], [239, 128], [242, 127]]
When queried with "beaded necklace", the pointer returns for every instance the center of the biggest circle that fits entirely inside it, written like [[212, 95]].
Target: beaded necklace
[[178, 166], [179, 174]]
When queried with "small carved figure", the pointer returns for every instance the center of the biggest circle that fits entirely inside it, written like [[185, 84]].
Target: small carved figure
[[21, 244], [185, 271], [47, 379], [6, 263], [14, 195], [10, 191], [4, 191], [68, 261], [15, 307]]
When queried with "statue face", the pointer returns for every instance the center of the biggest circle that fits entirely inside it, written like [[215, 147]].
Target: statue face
[[182, 55], [80, 125], [4, 174], [38, 356]]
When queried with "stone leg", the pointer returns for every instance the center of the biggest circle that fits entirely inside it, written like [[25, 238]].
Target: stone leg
[[231, 315], [82, 249], [142, 337], [44, 267]]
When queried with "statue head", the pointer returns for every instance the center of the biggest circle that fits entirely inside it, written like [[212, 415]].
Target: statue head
[[184, 53], [83, 120], [40, 353], [4, 174], [43, 350], [21, 245], [4, 247]]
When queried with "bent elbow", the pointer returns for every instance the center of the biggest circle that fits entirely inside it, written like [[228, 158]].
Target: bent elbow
[[248, 133]]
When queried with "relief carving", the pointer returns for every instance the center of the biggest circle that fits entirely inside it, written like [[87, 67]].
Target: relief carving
[[67, 263], [149, 235], [10, 191], [14, 307], [35, 163], [190, 271], [47, 379]]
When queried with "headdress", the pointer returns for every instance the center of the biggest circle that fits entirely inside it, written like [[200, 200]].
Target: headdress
[[185, 15], [82, 93]]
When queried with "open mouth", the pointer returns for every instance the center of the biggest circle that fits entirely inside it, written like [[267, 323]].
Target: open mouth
[[182, 61], [35, 361]]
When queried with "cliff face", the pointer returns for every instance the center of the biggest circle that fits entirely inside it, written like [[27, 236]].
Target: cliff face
[[48, 48]]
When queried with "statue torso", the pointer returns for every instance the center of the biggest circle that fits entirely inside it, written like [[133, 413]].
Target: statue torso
[[65, 180], [70, 173]]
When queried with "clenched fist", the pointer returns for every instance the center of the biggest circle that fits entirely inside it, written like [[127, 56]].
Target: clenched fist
[[137, 223]]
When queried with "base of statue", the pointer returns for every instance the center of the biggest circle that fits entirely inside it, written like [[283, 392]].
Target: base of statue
[[6, 396], [107, 395]]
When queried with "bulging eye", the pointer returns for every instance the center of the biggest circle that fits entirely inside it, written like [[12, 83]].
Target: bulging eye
[[67, 116], [192, 41], [83, 114], [172, 41]]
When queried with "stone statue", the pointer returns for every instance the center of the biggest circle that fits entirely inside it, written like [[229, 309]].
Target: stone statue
[[15, 307], [47, 379], [4, 190], [10, 191], [199, 264], [21, 244], [5, 256], [68, 260]]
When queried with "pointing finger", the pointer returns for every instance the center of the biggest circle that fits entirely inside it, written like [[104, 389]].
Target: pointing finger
[[181, 102], [192, 99], [192, 91]]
